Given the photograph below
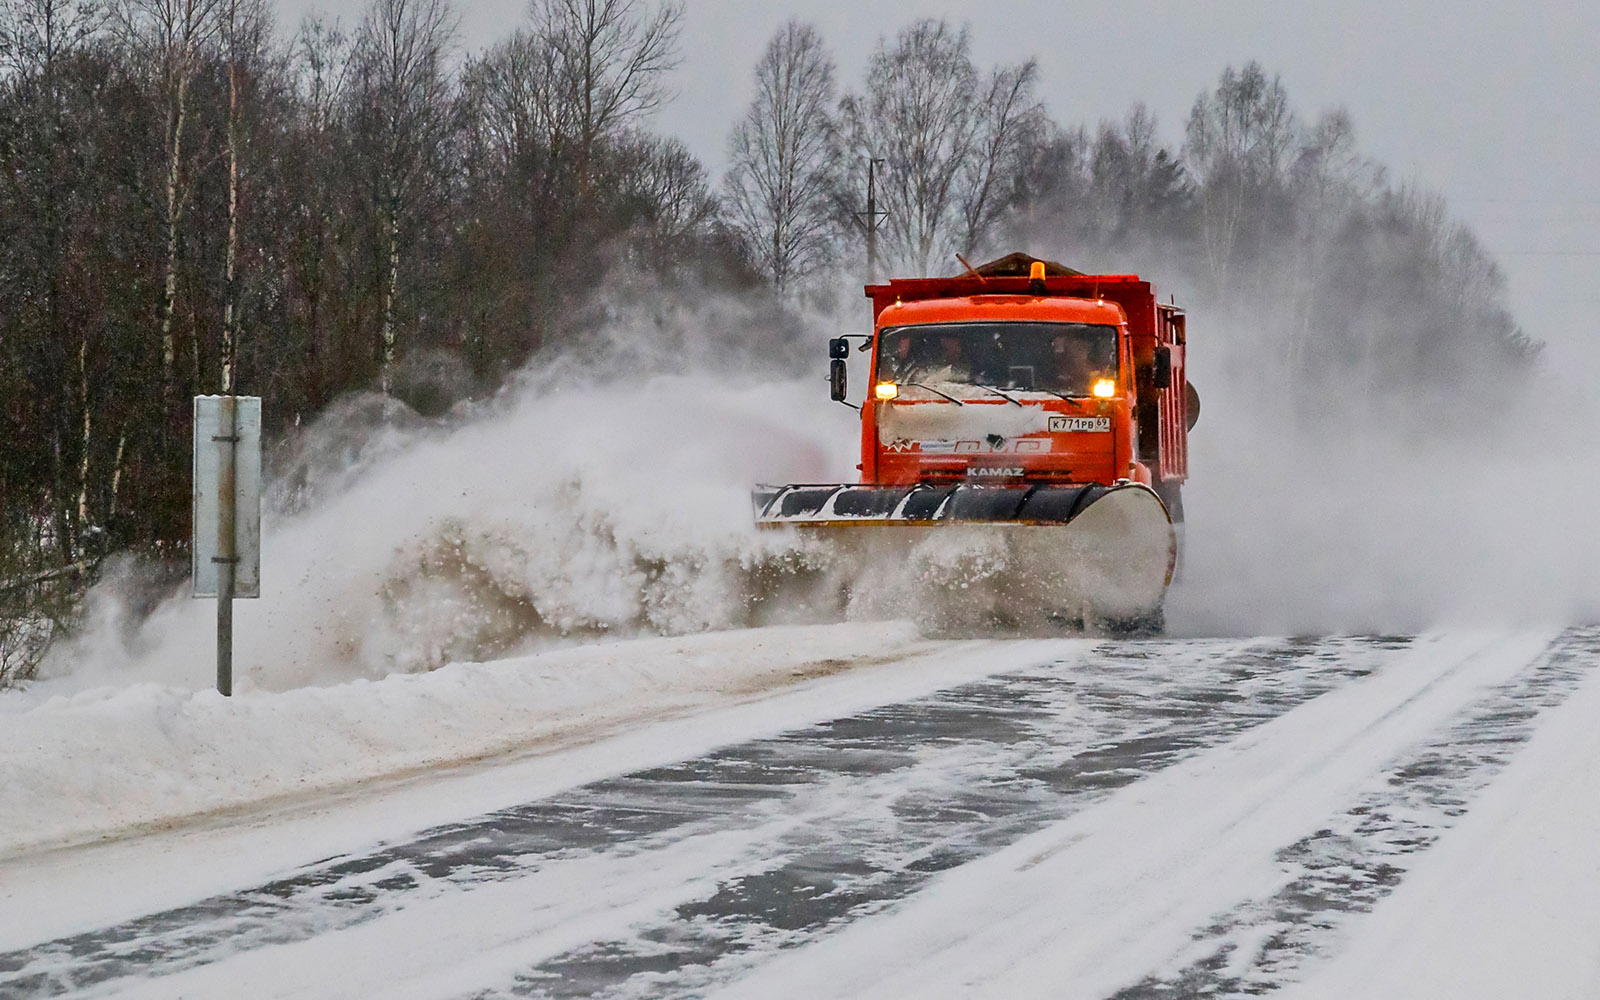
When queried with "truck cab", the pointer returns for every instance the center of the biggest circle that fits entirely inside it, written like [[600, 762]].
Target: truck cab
[[1024, 371]]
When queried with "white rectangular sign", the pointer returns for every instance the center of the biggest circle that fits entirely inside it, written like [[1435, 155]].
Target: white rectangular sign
[[227, 494], [1068, 425]]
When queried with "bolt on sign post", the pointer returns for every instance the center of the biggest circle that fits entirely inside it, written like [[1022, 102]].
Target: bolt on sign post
[[227, 511]]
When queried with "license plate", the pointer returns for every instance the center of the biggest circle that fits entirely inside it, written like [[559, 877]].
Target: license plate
[[1068, 425]]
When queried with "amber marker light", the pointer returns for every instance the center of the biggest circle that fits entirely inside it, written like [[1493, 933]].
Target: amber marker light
[[887, 391], [1104, 388]]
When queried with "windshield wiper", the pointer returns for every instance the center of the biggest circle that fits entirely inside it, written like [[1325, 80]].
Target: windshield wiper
[[997, 392], [936, 392]]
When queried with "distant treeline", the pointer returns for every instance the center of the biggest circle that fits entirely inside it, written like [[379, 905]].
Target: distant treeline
[[193, 201]]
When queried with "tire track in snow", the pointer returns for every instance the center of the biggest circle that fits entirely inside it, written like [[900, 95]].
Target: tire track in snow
[[960, 803], [1084, 908], [1046, 741], [1344, 869]]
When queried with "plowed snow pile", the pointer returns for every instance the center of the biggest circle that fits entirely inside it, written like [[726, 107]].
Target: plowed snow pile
[[102, 761]]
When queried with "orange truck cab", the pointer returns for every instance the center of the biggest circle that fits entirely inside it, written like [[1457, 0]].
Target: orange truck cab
[[1024, 372]]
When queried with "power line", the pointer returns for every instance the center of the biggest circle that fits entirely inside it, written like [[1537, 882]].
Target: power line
[[1548, 253], [1527, 201]]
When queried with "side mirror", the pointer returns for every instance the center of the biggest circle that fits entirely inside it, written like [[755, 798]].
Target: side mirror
[[838, 377], [838, 347], [1161, 374]]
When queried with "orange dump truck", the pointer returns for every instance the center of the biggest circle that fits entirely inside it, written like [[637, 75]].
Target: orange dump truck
[[1029, 401]]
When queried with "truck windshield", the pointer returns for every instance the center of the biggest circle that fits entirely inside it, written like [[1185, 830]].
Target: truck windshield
[[1061, 358]]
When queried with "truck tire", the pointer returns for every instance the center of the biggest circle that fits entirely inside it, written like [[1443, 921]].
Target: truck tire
[[1171, 494], [1149, 625]]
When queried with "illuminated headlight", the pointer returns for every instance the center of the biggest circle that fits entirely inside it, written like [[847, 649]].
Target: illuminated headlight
[[1104, 388], [887, 390]]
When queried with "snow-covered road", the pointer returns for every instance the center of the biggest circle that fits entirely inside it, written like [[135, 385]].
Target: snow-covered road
[[1009, 819]]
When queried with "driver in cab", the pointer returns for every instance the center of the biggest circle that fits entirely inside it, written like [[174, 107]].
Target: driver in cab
[[923, 358]]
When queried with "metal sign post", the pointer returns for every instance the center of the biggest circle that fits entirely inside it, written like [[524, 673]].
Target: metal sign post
[[227, 512]]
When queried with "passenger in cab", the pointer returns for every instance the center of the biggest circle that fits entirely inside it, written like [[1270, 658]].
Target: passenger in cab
[[1079, 363]]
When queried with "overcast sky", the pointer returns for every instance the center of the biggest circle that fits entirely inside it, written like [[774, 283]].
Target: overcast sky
[[1496, 105]]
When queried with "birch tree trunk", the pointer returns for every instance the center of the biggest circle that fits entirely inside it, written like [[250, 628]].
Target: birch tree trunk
[[231, 290], [392, 288], [88, 428], [401, 52], [169, 299]]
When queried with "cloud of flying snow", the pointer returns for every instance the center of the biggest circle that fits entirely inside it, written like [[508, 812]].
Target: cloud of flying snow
[[1359, 515], [578, 505], [602, 497]]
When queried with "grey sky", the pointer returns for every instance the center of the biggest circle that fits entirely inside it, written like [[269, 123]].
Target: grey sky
[[1495, 105]]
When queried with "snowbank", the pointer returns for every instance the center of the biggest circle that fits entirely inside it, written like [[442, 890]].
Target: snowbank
[[95, 763]]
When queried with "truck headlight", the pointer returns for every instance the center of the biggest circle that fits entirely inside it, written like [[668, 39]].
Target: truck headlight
[[887, 390], [1104, 388]]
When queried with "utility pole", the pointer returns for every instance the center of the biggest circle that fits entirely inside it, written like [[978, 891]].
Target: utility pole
[[870, 218]]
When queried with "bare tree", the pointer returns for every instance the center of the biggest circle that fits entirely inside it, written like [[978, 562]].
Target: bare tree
[[34, 34], [782, 158], [319, 178], [400, 54], [322, 61], [607, 59], [1331, 182], [1010, 123], [672, 185], [512, 91], [917, 116], [36, 38], [1238, 146], [952, 140]]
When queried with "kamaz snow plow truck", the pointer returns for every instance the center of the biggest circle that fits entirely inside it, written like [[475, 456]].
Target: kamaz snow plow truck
[[1043, 408]]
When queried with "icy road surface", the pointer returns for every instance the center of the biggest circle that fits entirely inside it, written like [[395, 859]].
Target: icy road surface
[[1379, 816]]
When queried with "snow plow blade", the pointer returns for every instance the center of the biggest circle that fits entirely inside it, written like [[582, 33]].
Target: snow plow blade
[[1098, 557]]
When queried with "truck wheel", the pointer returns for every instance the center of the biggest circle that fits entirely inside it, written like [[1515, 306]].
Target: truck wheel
[[1149, 625], [1171, 494]]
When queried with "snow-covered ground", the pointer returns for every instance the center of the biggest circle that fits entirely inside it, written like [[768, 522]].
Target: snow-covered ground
[[517, 717], [1132, 890], [1509, 904], [110, 760], [1027, 818]]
